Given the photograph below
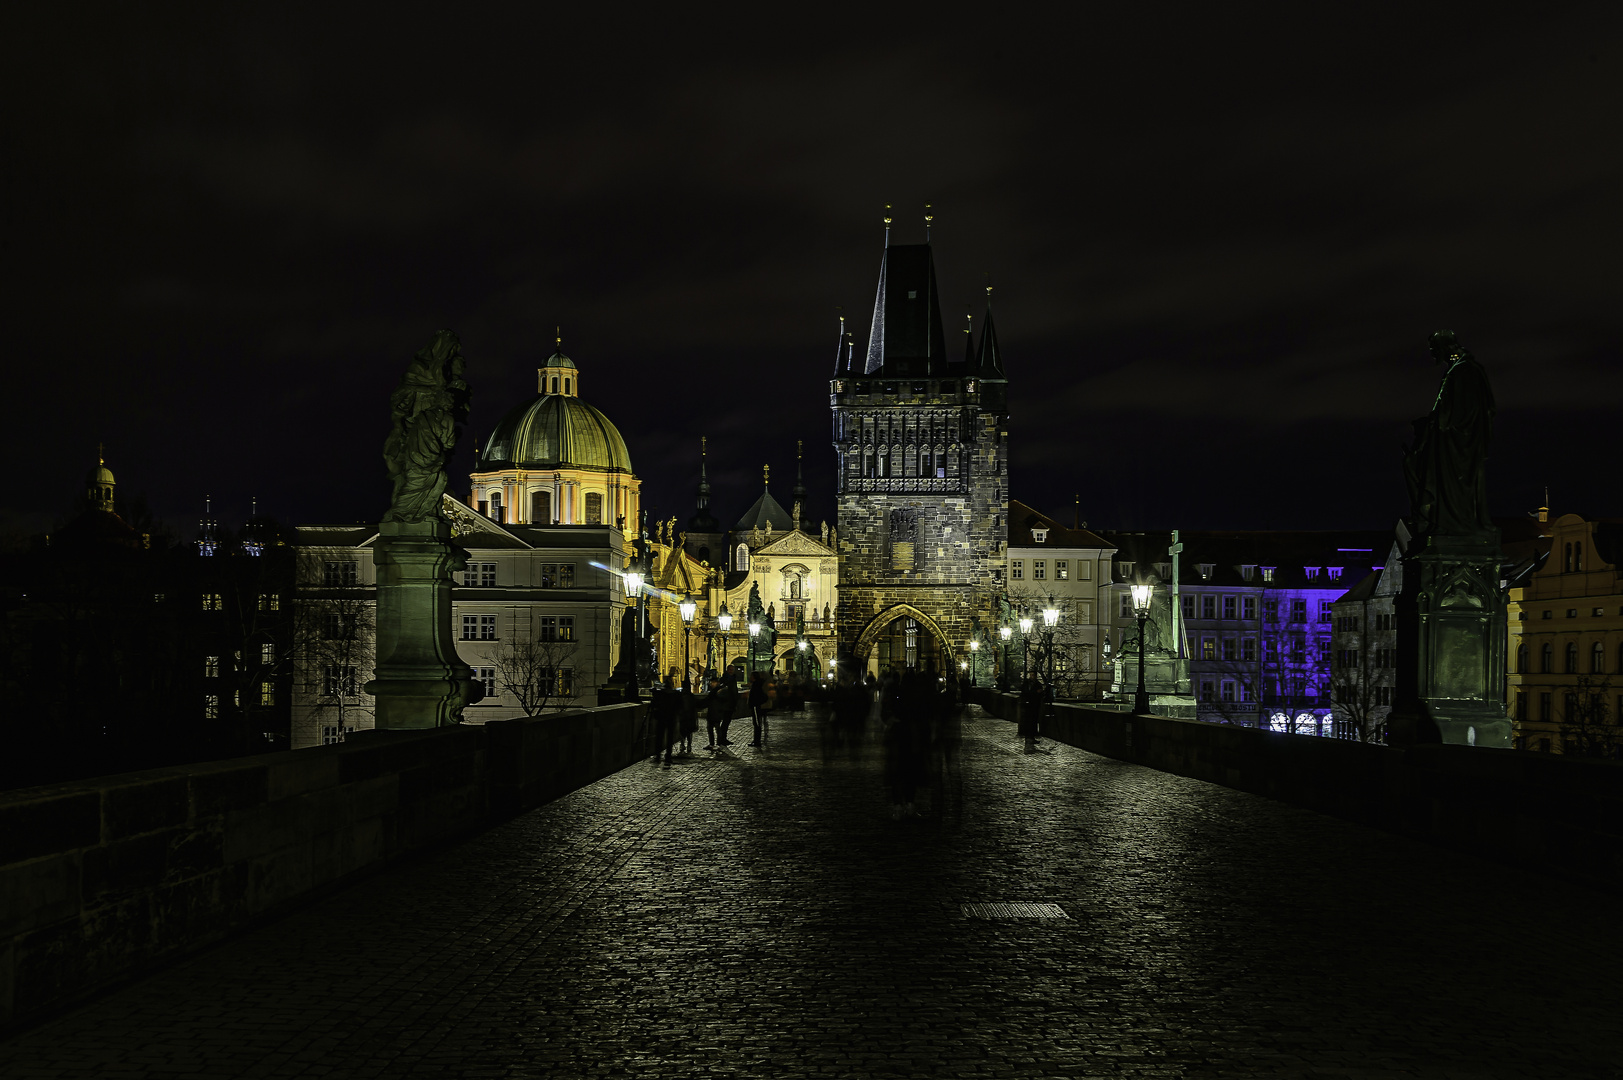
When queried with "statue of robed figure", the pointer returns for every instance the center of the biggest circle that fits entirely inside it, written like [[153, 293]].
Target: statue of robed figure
[[428, 410], [1446, 467]]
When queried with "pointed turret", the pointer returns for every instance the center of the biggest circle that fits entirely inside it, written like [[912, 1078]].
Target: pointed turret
[[798, 506], [969, 343], [906, 337], [704, 531], [207, 541], [990, 361], [841, 360]]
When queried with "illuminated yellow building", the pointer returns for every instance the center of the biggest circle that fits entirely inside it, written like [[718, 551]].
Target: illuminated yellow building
[[556, 460], [1566, 642]]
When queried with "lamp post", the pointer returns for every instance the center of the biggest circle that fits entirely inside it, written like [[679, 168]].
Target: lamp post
[[688, 607], [1141, 608], [1005, 633], [1025, 648], [755, 632], [725, 621], [974, 659], [633, 583], [800, 658]]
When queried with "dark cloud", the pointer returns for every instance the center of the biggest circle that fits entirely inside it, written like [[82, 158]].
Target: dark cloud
[[1219, 238]]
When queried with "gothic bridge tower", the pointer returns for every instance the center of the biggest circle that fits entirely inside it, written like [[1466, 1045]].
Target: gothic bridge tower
[[921, 438]]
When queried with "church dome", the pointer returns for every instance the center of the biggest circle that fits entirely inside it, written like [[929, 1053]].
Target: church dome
[[101, 474], [555, 430]]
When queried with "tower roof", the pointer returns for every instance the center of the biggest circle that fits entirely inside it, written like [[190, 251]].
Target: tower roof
[[990, 361], [555, 430], [906, 337], [765, 511]]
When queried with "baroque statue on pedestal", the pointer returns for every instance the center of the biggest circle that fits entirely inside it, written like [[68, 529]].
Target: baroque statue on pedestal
[[428, 409], [1446, 465]]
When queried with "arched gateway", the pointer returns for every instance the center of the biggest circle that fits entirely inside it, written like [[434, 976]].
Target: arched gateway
[[902, 636]]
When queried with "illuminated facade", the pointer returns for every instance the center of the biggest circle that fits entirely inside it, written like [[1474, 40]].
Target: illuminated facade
[[1049, 563], [1566, 642], [921, 442]]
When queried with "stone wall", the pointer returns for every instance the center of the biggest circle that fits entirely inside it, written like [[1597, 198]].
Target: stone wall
[[103, 879], [1548, 812]]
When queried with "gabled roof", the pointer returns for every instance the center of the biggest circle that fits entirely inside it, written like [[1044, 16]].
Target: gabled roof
[[1022, 519]]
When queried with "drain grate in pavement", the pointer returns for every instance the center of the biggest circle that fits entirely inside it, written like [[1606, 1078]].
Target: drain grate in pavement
[[1014, 911]]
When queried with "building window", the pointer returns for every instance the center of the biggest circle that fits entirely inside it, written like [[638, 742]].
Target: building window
[[339, 573], [1299, 611], [1206, 691], [1228, 607], [1062, 570], [1124, 570], [1325, 612], [1298, 650], [487, 679], [1228, 691], [1127, 605], [1270, 610], [1208, 607], [1521, 658], [338, 626], [1208, 648], [211, 706], [1268, 573], [332, 735], [481, 574], [1248, 649], [1570, 705], [1187, 602], [1521, 706], [478, 628], [1017, 570], [267, 693], [495, 505], [1572, 658], [211, 667], [1383, 695], [267, 652], [594, 508], [1230, 649], [540, 508], [1206, 569], [1597, 659], [562, 680], [1247, 694], [338, 680], [270, 602], [1039, 569], [212, 602], [741, 557], [557, 628], [1547, 659], [1545, 707], [561, 575]]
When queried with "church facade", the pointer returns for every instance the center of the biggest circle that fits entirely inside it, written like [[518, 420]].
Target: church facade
[[921, 441]]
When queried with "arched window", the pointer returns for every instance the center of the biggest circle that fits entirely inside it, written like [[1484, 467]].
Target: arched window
[[1566, 563], [555, 384], [1572, 658], [566, 384], [495, 506], [594, 508], [741, 559], [540, 508], [1597, 659], [1521, 658], [1547, 656]]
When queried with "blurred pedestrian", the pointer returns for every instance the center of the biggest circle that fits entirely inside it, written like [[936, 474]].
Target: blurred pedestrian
[[665, 705], [759, 702]]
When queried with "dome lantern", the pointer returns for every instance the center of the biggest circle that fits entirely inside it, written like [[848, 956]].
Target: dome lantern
[[558, 374]]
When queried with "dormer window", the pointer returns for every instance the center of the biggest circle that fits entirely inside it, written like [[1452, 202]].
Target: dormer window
[[1163, 570], [1334, 572], [1206, 569], [1247, 572], [1268, 573], [1040, 534], [1124, 570], [1312, 572]]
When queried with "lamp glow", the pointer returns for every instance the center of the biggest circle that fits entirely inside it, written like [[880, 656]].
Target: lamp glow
[[974, 646], [1141, 598], [1025, 624], [687, 607], [755, 628], [1050, 616], [725, 619], [1005, 632], [633, 581]]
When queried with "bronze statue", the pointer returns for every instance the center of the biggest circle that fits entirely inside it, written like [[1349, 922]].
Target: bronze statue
[[429, 407], [1446, 466]]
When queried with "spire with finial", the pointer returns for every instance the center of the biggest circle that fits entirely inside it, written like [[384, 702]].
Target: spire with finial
[[928, 218], [887, 224], [798, 507], [557, 373], [990, 361], [839, 346], [704, 478], [766, 475], [207, 542], [969, 341]]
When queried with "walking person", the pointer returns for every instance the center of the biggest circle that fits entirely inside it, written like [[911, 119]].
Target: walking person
[[688, 720], [759, 702], [664, 704]]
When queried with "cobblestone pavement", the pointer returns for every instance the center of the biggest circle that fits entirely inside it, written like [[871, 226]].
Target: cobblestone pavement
[[760, 914]]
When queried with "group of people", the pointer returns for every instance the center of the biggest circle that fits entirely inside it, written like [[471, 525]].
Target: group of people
[[675, 713], [920, 731]]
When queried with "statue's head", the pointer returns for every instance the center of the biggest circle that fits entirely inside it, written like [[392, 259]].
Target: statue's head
[[1444, 345]]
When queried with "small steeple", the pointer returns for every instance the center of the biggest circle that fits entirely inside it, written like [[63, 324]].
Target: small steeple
[[798, 507], [839, 349], [990, 361], [558, 374], [704, 479], [207, 543], [969, 342], [99, 483], [928, 218]]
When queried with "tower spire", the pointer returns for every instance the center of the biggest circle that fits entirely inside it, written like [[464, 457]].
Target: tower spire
[[839, 347], [990, 360], [928, 218], [799, 491], [887, 224], [704, 479], [969, 342]]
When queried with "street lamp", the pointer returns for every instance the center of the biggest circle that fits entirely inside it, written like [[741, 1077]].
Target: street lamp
[[1025, 649], [688, 607], [1050, 620], [755, 631], [974, 659], [633, 582], [725, 621], [1005, 633], [1141, 607]]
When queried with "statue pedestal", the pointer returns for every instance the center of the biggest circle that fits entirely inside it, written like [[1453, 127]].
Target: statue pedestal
[[420, 682], [1451, 644]]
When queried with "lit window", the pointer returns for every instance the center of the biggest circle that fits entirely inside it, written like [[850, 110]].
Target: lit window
[[339, 573], [267, 693], [1208, 648], [270, 602], [1062, 570], [1268, 573], [557, 628], [211, 667], [267, 653], [741, 557], [212, 602], [211, 706]]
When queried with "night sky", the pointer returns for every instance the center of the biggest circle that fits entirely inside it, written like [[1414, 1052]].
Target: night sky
[[1219, 240]]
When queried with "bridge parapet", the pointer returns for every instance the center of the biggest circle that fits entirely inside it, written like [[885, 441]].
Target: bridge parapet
[[103, 879]]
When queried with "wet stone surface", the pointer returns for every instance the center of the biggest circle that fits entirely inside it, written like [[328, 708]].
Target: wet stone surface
[[761, 914]]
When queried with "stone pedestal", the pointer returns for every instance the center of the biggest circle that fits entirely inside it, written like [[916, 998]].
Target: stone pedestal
[[1451, 644], [421, 682]]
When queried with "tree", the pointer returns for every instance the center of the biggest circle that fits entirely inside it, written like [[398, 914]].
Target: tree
[[334, 648], [536, 672], [1588, 728], [1354, 685]]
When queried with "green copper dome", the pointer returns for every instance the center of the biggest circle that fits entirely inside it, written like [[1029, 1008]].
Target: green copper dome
[[554, 430]]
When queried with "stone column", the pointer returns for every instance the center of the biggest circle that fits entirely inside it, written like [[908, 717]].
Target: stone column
[[421, 682]]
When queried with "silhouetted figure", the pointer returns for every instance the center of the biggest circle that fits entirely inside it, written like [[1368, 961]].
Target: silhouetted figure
[[665, 704], [1031, 711], [688, 720], [759, 702]]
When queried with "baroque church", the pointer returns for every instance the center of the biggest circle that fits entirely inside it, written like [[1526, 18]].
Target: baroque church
[[921, 440]]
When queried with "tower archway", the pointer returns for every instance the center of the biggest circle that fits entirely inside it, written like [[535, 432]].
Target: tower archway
[[901, 637]]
